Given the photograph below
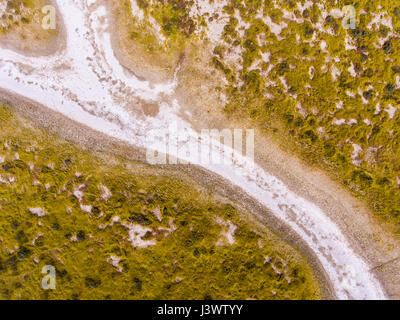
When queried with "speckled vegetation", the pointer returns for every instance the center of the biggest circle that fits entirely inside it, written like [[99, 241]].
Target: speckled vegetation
[[23, 18], [328, 93], [114, 229], [348, 121], [14, 13], [173, 17]]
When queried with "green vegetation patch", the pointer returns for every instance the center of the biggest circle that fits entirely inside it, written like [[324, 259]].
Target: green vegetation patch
[[114, 229], [18, 13], [333, 92]]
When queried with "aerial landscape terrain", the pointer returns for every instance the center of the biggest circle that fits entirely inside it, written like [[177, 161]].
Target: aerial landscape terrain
[[199, 149]]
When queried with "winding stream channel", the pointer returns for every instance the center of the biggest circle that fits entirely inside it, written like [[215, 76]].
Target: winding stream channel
[[85, 82]]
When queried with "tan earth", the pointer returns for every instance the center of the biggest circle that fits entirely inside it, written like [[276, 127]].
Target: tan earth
[[31, 39]]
